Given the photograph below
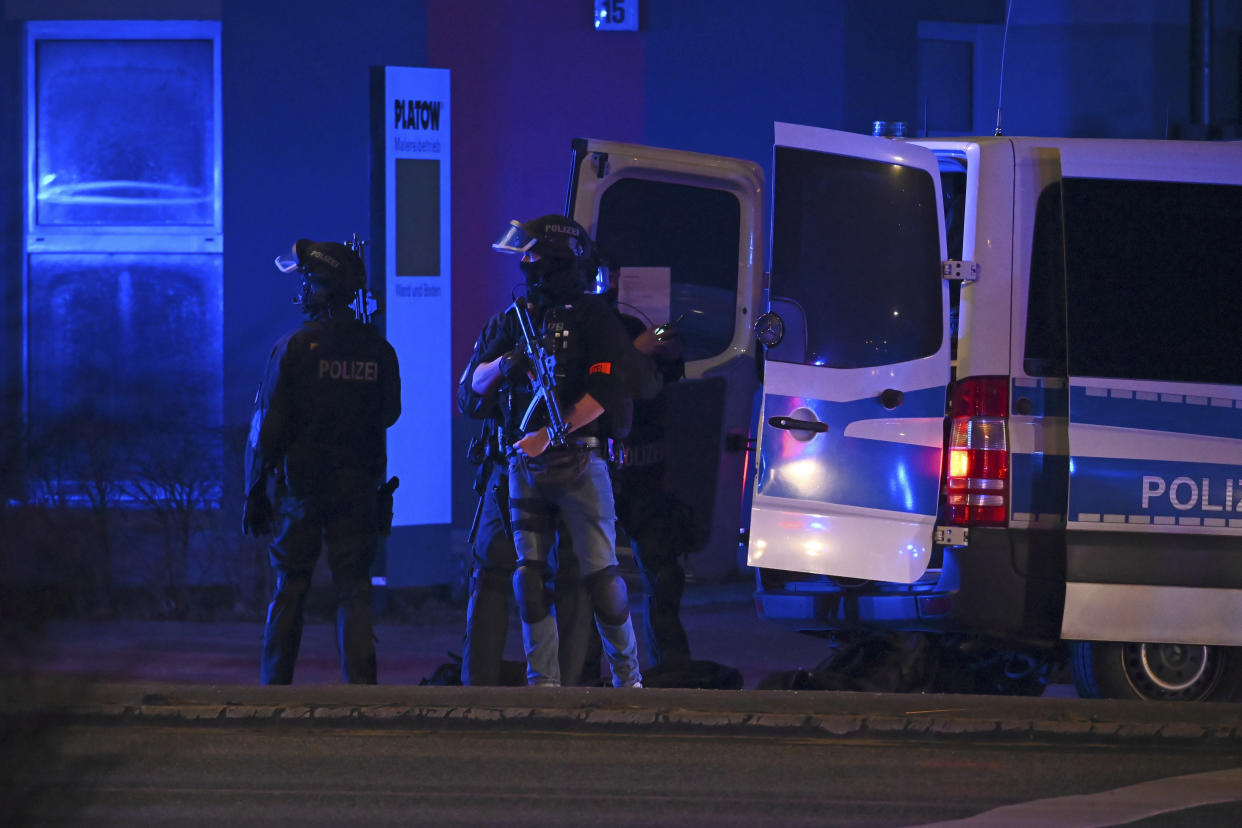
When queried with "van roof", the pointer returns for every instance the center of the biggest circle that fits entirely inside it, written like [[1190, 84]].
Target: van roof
[[1123, 158]]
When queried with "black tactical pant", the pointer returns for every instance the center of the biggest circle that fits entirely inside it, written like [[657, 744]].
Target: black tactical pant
[[660, 533], [343, 525], [491, 594]]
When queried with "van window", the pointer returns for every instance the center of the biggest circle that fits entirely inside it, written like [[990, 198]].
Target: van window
[[1154, 280], [694, 231], [1045, 309], [855, 245], [953, 190]]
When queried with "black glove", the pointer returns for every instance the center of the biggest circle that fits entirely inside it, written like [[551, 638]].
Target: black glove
[[514, 366], [257, 514]]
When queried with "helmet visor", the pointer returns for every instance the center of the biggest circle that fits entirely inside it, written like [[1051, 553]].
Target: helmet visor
[[601, 281], [514, 240], [287, 262]]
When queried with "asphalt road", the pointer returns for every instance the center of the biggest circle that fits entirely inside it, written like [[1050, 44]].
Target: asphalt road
[[128, 772]]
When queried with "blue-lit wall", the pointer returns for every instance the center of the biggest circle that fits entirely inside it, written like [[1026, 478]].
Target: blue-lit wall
[[707, 75], [296, 151]]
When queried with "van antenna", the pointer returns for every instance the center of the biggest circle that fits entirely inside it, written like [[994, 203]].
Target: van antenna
[[1004, 43]]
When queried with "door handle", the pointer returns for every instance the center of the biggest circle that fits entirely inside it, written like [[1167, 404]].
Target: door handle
[[790, 424]]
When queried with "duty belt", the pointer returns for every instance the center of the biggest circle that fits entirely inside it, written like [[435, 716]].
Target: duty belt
[[585, 442], [577, 444], [625, 456]]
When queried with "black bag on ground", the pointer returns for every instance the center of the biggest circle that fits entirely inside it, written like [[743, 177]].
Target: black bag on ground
[[694, 674]]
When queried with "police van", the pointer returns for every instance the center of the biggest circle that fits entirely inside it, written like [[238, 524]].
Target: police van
[[999, 391]]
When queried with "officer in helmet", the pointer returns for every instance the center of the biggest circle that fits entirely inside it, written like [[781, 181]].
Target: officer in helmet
[[491, 538], [330, 390], [598, 372]]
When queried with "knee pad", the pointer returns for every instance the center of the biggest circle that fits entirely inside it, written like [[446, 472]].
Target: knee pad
[[531, 592], [609, 595]]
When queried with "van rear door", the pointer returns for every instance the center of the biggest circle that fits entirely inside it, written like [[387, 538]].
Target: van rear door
[[683, 235], [851, 436]]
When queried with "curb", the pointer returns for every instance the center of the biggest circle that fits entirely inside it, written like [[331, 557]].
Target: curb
[[819, 714]]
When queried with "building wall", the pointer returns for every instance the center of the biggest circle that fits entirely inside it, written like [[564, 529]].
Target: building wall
[[524, 86], [296, 151]]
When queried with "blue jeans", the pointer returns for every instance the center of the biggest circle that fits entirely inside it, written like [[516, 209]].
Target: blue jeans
[[491, 595], [573, 486]]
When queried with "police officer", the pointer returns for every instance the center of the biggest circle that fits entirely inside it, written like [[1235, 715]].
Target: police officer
[[658, 524], [494, 557], [597, 372], [330, 390]]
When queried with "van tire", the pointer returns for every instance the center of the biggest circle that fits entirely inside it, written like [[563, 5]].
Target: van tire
[[1156, 672]]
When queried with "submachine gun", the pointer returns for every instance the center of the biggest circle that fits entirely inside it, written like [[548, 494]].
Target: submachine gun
[[365, 305], [544, 369], [484, 450], [484, 453]]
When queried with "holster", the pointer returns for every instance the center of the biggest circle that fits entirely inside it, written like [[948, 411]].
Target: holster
[[384, 499]]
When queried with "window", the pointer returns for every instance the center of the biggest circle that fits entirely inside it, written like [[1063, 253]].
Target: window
[[123, 220], [693, 231], [956, 63], [1154, 279], [953, 190], [123, 133], [1045, 311], [131, 336], [855, 247]]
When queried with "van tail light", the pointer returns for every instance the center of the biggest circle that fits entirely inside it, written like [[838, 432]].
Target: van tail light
[[977, 453]]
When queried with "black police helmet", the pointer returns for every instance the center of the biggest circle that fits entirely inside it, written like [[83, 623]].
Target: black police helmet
[[331, 268], [550, 237]]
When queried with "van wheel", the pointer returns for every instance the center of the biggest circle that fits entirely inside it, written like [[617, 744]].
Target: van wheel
[[1156, 672]]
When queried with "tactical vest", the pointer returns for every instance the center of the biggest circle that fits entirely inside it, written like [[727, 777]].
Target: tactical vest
[[559, 329]]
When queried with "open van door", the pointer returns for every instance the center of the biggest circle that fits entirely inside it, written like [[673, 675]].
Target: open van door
[[851, 439], [681, 233]]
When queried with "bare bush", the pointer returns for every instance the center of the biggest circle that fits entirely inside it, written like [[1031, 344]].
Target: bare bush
[[176, 475]]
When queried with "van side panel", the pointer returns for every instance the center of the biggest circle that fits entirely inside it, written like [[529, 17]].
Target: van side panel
[[1168, 614], [1154, 559], [1155, 460], [1154, 278]]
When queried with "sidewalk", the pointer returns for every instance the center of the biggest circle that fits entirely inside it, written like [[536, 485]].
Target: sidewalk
[[161, 670], [720, 620]]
